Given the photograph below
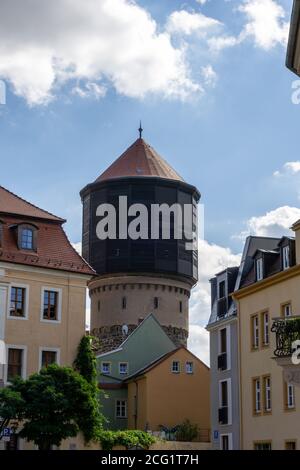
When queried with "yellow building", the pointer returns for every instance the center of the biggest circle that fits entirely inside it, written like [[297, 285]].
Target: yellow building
[[42, 291], [269, 408], [170, 390]]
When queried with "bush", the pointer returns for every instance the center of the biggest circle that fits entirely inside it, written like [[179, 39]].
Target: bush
[[110, 439], [187, 432]]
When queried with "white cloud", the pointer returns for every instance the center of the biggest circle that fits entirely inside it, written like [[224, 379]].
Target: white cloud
[[209, 75], [275, 223], [44, 44], [288, 169], [265, 23], [183, 22], [198, 342], [90, 90], [78, 247], [202, 2]]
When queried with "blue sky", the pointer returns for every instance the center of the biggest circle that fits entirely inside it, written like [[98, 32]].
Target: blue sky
[[221, 116]]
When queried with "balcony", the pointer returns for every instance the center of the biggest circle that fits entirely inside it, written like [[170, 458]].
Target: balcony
[[223, 415], [287, 352], [222, 361]]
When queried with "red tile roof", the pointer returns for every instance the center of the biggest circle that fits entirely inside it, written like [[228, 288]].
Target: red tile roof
[[10, 203], [54, 251], [140, 159]]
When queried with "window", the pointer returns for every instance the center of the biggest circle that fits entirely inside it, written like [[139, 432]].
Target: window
[[267, 394], [287, 310], [259, 269], [175, 367], [225, 402], [180, 306], [265, 321], [262, 446], [48, 357], [224, 393], [255, 332], [285, 257], [99, 305], [26, 240], [50, 307], [256, 396], [289, 396], [124, 303], [156, 302], [123, 368], [14, 363], [121, 409], [189, 367], [105, 368], [290, 445], [223, 340], [226, 441], [221, 289], [17, 302]]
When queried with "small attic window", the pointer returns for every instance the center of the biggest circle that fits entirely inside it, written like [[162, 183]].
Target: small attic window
[[27, 237], [259, 269]]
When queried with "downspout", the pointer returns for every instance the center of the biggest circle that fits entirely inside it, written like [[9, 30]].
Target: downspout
[[136, 404]]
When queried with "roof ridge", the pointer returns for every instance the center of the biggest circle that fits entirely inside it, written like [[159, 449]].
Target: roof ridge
[[75, 251], [33, 205]]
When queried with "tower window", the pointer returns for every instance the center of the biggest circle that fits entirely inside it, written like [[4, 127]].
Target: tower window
[[180, 306], [156, 302], [99, 305], [124, 303]]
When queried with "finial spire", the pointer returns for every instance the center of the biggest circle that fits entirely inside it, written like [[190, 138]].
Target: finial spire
[[141, 129]]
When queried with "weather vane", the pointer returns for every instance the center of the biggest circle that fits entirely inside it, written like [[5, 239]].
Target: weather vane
[[141, 129]]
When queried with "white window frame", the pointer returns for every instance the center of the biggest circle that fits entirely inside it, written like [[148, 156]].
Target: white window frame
[[289, 307], [59, 304], [101, 365], [22, 286], [191, 370], [228, 343], [255, 332], [116, 407], [127, 368], [230, 444], [266, 324], [172, 367], [47, 349], [257, 393], [229, 395], [259, 269], [286, 257], [24, 360], [288, 388], [268, 396]]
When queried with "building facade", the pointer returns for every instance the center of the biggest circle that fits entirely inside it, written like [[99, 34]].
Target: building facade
[[42, 290], [293, 50], [268, 294]]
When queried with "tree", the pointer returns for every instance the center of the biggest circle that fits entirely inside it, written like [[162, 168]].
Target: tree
[[56, 404], [85, 362], [11, 406]]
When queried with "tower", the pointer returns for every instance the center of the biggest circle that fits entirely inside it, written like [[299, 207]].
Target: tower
[[136, 277]]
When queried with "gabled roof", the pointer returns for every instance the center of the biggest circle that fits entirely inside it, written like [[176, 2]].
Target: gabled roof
[[140, 159], [10, 203]]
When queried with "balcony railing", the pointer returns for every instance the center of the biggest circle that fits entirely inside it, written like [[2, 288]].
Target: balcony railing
[[287, 331]]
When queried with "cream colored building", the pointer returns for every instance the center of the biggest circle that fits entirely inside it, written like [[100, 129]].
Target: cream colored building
[[42, 291], [269, 408]]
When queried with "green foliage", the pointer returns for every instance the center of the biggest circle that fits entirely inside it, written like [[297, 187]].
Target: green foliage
[[11, 407], [110, 439], [55, 404], [85, 362], [187, 432]]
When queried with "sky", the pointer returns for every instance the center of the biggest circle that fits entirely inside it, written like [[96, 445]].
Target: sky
[[206, 77]]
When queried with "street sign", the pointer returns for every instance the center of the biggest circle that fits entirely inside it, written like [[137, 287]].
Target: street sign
[[216, 435], [6, 432]]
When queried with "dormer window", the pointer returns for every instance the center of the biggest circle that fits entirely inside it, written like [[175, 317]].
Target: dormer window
[[221, 289], [27, 237], [286, 257], [259, 269]]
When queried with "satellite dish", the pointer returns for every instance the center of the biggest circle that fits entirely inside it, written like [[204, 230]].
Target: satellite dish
[[125, 330]]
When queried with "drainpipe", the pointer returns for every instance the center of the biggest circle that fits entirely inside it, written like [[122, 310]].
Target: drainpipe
[[136, 404]]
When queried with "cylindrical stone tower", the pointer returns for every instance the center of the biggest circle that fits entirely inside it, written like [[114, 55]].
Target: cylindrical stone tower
[[138, 276]]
